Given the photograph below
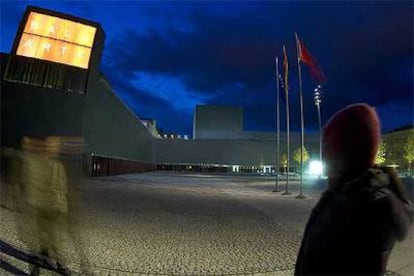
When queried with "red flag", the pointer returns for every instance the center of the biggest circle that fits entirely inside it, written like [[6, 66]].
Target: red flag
[[285, 68], [306, 58]]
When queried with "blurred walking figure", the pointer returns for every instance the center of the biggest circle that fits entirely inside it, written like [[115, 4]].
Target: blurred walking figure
[[364, 210], [11, 185], [45, 181]]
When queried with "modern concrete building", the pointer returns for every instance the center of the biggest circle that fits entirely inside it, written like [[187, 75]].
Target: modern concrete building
[[51, 87], [217, 122], [48, 90]]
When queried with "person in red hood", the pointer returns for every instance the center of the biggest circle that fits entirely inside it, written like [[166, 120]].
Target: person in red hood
[[364, 210]]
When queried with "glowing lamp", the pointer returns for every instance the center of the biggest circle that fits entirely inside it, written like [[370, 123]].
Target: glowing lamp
[[315, 167]]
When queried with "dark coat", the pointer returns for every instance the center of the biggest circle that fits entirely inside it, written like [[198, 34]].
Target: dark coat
[[354, 226]]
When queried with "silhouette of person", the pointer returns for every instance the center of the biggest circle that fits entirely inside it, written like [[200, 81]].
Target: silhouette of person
[[364, 210]]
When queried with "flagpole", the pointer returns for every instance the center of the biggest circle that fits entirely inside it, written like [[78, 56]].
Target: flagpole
[[302, 128], [277, 127], [287, 122]]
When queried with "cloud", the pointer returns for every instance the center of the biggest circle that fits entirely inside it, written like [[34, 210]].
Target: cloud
[[206, 59], [238, 47], [170, 89], [223, 53]]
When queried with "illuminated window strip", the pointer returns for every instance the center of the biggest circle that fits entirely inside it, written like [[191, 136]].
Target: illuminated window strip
[[53, 21], [36, 51], [61, 40]]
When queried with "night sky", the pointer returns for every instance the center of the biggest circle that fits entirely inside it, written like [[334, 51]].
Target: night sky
[[163, 58]]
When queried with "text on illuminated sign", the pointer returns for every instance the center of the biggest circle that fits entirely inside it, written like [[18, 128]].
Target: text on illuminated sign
[[56, 39]]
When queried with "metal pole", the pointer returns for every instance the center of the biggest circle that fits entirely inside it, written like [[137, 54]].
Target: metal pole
[[277, 127], [287, 126], [318, 106], [287, 142], [302, 128]]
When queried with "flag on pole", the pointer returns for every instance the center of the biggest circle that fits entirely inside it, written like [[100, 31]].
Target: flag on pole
[[305, 57], [285, 68]]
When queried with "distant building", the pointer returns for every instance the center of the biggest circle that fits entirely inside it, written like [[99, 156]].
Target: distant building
[[151, 125], [217, 122], [395, 142]]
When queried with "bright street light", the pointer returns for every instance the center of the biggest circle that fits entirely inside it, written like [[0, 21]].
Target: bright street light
[[315, 168]]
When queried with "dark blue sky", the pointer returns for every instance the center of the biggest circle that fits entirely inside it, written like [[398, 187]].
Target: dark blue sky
[[163, 58]]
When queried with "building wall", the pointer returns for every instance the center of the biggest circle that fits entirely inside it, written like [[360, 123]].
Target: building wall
[[108, 127], [37, 111], [217, 122], [111, 129], [225, 151]]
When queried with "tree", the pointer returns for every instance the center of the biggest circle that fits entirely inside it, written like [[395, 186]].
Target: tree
[[409, 151], [382, 150], [296, 155]]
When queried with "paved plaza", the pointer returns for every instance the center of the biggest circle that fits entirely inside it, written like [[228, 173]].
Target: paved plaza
[[163, 223]]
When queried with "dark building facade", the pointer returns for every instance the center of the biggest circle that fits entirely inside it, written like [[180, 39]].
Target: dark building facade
[[45, 94]]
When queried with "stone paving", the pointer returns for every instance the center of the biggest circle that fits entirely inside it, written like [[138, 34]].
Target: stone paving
[[174, 223]]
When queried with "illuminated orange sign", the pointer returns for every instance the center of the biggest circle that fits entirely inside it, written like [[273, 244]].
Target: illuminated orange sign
[[55, 39]]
